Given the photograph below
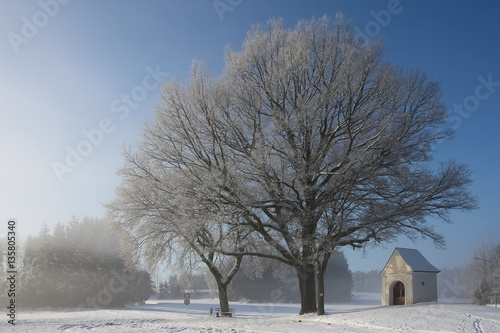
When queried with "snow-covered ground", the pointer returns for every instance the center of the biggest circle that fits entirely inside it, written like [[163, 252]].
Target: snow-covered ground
[[364, 314]]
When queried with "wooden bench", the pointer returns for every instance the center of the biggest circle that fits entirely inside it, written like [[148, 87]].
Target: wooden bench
[[224, 312]]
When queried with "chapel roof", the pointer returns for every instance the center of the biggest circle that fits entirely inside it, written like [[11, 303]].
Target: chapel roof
[[414, 259]]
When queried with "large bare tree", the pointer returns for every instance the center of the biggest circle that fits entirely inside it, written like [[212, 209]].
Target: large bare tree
[[312, 143]]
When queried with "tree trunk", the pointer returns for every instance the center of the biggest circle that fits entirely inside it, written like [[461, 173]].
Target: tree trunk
[[321, 292], [221, 282], [307, 285], [223, 298], [321, 283]]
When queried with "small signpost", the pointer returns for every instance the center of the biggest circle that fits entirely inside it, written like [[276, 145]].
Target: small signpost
[[187, 301]]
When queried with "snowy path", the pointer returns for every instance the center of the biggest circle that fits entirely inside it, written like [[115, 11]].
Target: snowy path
[[170, 316]]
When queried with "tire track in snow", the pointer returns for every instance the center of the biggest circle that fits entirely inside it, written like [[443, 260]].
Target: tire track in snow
[[477, 325], [466, 323], [462, 327], [85, 326], [155, 325]]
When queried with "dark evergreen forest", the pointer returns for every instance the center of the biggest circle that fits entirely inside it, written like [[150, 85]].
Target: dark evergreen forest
[[78, 265], [268, 281]]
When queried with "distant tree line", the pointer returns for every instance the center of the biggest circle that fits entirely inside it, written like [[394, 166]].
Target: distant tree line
[[175, 287], [261, 280], [370, 281], [79, 265], [270, 281]]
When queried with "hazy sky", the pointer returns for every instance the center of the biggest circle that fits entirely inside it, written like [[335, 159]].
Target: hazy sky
[[79, 78]]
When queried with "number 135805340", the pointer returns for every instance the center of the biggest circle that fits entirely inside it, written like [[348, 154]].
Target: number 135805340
[[11, 245]]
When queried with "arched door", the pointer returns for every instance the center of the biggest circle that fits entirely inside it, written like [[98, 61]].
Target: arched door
[[399, 294]]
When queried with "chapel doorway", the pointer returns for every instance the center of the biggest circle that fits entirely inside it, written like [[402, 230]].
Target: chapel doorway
[[399, 293]]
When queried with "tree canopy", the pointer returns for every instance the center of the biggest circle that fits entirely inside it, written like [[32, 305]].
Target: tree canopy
[[307, 142]]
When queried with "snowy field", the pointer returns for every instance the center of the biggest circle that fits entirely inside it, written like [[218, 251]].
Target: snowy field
[[364, 314]]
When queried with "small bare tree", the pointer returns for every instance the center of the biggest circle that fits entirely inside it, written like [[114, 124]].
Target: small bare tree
[[482, 274], [312, 143], [158, 222]]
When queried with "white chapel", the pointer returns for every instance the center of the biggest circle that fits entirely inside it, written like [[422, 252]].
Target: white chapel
[[408, 278]]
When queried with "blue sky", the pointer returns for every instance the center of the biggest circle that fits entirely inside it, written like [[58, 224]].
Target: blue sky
[[83, 76]]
